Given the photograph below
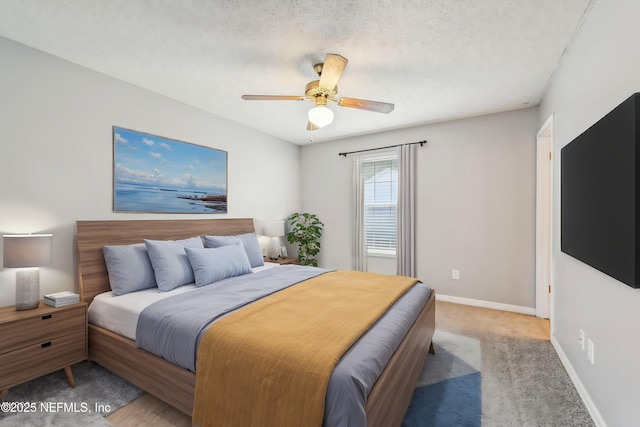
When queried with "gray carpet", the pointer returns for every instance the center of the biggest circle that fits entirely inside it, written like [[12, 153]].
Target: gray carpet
[[449, 391], [521, 381], [98, 393], [525, 384], [491, 381]]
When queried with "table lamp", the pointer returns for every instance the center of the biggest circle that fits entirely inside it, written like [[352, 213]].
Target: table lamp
[[27, 252], [275, 230]]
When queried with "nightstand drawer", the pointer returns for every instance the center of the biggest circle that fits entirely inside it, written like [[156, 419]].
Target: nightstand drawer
[[39, 359], [43, 327]]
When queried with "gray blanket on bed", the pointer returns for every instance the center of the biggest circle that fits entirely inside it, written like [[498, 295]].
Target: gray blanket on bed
[[172, 329]]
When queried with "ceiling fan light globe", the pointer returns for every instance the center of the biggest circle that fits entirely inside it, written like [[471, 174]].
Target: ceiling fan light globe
[[320, 115]]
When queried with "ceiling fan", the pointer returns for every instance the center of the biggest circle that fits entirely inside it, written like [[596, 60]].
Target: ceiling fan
[[323, 91]]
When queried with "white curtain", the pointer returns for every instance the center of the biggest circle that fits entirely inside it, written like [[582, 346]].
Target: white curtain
[[405, 252], [359, 232]]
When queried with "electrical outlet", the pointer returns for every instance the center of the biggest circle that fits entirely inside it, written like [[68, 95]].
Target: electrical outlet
[[591, 351], [581, 339], [455, 274]]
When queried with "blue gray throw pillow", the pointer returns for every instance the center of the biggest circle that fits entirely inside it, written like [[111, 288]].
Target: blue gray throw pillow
[[129, 268], [215, 264], [170, 263], [249, 242]]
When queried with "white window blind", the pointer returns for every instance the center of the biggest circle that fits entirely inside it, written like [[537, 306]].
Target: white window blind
[[380, 204]]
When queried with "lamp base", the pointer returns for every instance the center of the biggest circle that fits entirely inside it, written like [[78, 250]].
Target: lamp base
[[27, 289], [275, 248]]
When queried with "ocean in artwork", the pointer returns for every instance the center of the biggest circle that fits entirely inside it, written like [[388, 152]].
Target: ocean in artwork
[[156, 174], [151, 198]]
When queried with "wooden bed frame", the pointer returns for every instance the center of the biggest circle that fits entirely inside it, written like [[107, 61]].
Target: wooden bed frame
[[387, 402]]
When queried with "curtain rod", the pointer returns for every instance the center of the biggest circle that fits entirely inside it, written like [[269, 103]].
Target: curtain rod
[[382, 148]]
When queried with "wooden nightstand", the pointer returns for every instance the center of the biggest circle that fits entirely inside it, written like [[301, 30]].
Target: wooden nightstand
[[40, 341], [282, 261]]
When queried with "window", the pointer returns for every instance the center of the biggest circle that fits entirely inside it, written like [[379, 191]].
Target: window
[[380, 204]]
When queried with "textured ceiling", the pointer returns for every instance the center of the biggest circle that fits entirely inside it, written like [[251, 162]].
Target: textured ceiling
[[434, 59]]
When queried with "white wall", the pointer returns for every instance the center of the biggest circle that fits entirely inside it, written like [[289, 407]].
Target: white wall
[[475, 203], [597, 72], [56, 154]]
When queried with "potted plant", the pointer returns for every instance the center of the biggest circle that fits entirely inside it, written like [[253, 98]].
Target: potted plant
[[305, 229]]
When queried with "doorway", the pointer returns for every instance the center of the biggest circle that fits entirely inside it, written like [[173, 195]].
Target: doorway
[[544, 215]]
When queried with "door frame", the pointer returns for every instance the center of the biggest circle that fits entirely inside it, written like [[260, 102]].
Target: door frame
[[544, 218]]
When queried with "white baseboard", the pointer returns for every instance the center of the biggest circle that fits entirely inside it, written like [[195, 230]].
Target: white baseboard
[[486, 304], [582, 391]]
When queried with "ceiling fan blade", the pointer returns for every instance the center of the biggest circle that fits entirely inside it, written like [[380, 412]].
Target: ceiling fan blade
[[332, 69], [363, 104], [311, 126], [272, 98]]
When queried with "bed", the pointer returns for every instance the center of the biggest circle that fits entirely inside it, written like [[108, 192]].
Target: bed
[[385, 406]]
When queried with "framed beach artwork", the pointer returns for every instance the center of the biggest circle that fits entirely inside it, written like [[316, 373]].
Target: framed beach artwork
[[161, 175]]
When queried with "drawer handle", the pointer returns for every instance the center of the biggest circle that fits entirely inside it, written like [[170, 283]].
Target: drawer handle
[[48, 316], [47, 344]]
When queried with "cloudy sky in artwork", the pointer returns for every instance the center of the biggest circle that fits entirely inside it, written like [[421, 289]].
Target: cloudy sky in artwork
[[151, 160]]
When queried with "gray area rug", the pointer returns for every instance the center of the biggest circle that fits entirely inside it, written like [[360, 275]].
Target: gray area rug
[[489, 381], [50, 400], [521, 382], [525, 384], [449, 391]]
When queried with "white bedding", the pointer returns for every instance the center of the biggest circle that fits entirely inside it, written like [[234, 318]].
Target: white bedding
[[119, 314]]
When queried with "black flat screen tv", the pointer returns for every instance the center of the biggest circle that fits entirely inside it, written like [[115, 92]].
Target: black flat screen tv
[[599, 194]]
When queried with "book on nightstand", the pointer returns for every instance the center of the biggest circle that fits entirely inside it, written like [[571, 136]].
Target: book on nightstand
[[60, 299]]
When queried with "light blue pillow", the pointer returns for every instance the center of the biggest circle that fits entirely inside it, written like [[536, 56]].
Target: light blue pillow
[[214, 264], [129, 268], [249, 241], [170, 263]]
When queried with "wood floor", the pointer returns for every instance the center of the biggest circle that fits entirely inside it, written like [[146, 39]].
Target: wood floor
[[147, 411]]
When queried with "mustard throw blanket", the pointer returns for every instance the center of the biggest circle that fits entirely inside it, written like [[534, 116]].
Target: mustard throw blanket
[[269, 363]]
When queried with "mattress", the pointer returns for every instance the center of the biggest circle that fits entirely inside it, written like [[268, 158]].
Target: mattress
[[120, 314]]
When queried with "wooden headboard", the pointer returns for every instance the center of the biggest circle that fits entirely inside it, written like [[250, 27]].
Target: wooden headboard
[[91, 236]]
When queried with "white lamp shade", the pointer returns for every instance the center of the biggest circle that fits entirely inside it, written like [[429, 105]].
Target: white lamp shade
[[320, 115], [274, 229], [26, 250]]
